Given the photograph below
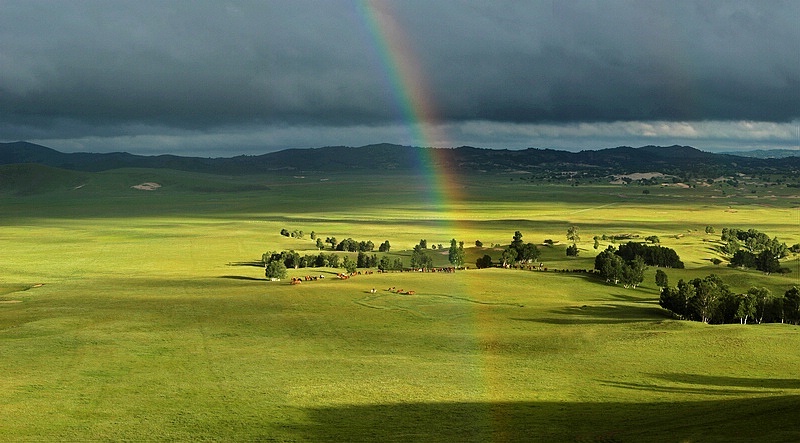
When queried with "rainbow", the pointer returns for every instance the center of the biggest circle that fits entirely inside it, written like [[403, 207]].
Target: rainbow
[[404, 77]]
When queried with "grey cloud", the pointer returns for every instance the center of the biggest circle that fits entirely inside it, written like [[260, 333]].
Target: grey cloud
[[608, 61], [92, 69]]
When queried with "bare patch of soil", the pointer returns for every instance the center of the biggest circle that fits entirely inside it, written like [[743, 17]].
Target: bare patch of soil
[[148, 186]]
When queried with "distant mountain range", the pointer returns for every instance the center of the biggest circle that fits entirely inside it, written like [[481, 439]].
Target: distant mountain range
[[678, 160], [766, 153]]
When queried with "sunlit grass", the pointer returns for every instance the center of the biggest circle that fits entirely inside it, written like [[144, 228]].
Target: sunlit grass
[[135, 316]]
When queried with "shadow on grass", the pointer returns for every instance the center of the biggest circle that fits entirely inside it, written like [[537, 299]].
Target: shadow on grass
[[241, 277], [710, 384], [602, 314], [254, 264], [680, 389], [648, 299], [753, 419], [731, 382]]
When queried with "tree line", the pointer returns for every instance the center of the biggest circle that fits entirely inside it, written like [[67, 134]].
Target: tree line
[[627, 264], [754, 250], [659, 256], [710, 300], [276, 264], [346, 245], [516, 253]]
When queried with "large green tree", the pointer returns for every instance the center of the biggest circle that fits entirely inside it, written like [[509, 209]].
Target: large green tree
[[519, 251], [746, 307], [767, 262], [332, 241], [761, 301], [420, 258], [333, 260], [484, 262], [572, 234], [508, 256], [610, 265], [791, 305], [397, 264], [528, 253], [456, 254], [516, 241], [349, 264], [662, 280], [384, 264], [676, 299], [291, 259], [275, 269], [633, 273], [709, 291]]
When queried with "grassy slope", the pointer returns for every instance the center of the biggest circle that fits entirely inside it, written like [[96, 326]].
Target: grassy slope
[[146, 329]]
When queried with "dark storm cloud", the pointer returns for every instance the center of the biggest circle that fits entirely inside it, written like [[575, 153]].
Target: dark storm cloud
[[122, 69], [187, 64], [606, 61]]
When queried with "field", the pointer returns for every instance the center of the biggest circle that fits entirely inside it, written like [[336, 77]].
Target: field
[[138, 315]]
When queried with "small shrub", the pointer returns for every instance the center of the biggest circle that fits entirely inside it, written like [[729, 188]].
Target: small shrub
[[572, 250]]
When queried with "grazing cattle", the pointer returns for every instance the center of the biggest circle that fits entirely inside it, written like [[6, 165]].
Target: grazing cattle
[[410, 293], [372, 291]]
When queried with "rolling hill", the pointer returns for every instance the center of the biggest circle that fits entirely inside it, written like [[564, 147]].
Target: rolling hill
[[671, 159]]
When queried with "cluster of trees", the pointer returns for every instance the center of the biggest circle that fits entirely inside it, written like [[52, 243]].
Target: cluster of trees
[[350, 245], [424, 245], [277, 263], [617, 237], [765, 261], [615, 269], [627, 265], [659, 256], [751, 240], [420, 259], [753, 249], [347, 245], [295, 233], [709, 300], [292, 259], [517, 252], [520, 252]]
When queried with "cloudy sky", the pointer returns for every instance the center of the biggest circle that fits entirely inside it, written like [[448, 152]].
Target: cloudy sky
[[217, 78]]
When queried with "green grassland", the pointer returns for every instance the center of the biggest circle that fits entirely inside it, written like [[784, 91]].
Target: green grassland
[[136, 315]]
